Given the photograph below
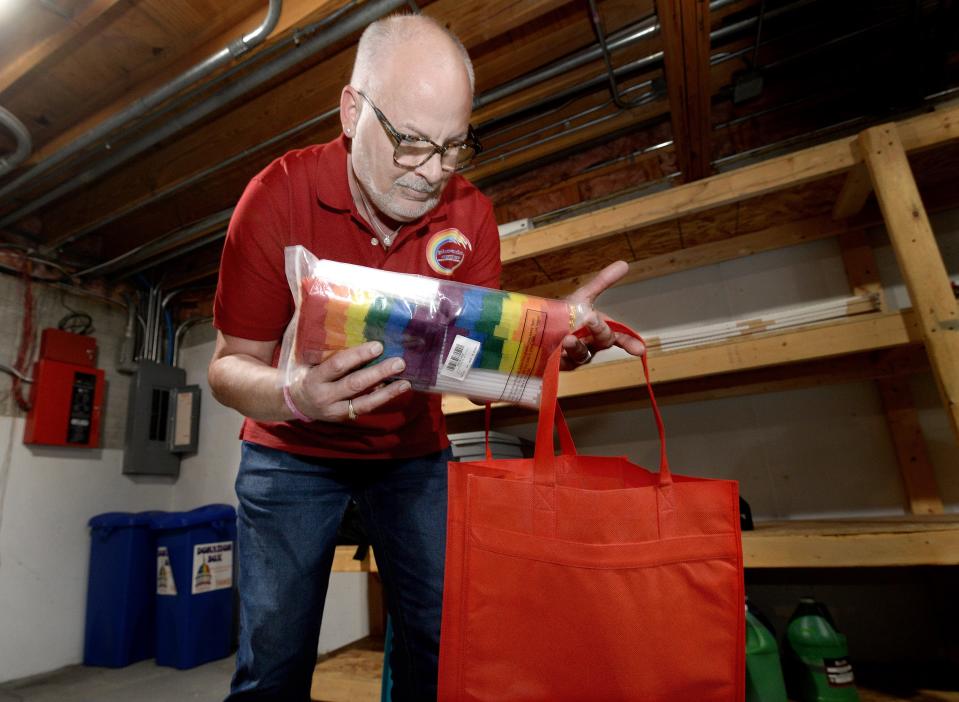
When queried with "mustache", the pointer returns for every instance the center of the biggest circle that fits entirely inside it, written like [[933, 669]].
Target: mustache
[[418, 185]]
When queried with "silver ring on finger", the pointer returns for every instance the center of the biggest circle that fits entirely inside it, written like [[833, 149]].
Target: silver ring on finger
[[350, 412]]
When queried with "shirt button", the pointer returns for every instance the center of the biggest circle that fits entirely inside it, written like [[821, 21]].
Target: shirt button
[[374, 241]]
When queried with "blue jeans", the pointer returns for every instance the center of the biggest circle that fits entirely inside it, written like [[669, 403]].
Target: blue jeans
[[290, 507]]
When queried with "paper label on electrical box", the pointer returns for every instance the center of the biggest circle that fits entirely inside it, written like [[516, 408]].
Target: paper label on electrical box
[[182, 424], [460, 358], [212, 567], [165, 583]]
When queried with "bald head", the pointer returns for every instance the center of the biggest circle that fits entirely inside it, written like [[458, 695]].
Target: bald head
[[411, 44]]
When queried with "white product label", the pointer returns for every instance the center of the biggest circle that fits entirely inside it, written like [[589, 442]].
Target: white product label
[[165, 582], [212, 566], [838, 672], [460, 358]]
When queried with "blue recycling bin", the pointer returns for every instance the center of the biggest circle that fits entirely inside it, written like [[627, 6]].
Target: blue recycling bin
[[194, 585], [121, 605]]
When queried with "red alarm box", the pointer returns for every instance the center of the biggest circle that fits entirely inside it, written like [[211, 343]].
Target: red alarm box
[[66, 398]]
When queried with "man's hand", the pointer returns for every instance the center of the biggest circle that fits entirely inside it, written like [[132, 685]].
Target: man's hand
[[326, 391], [241, 376], [576, 351]]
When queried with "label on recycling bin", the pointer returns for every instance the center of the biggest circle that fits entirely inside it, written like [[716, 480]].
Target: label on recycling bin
[[165, 582], [838, 672], [212, 566]]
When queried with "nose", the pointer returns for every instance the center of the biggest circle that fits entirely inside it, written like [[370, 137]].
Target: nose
[[431, 170]]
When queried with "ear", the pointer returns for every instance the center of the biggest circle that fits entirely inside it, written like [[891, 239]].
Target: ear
[[349, 110]]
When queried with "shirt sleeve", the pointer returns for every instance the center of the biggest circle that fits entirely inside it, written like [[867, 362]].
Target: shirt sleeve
[[253, 299]]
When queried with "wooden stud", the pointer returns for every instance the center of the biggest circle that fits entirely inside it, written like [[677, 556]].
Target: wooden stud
[[918, 477], [919, 258], [860, 262]]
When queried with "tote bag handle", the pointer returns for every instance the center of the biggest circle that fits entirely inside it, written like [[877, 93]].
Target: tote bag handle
[[565, 437], [544, 462]]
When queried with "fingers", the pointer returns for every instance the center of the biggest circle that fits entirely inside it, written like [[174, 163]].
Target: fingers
[[325, 390], [603, 280], [342, 362], [364, 404]]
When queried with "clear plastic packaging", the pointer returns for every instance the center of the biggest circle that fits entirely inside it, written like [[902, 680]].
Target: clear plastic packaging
[[462, 339]]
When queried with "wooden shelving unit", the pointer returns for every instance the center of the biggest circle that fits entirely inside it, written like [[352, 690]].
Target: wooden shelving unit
[[803, 196], [837, 543]]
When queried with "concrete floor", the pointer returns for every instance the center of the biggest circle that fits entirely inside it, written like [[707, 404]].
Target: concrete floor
[[141, 682]]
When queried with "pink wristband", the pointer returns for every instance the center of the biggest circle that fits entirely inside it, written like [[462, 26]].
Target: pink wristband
[[289, 404]]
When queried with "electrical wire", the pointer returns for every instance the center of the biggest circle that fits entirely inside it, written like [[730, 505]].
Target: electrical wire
[[604, 47]]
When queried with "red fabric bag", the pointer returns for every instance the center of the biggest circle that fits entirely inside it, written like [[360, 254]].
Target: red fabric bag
[[589, 578]]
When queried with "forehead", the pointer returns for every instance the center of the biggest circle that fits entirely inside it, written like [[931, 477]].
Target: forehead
[[425, 92]]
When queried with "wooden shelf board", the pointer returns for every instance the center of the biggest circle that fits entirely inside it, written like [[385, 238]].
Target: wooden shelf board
[[868, 332], [794, 169], [835, 543], [846, 543]]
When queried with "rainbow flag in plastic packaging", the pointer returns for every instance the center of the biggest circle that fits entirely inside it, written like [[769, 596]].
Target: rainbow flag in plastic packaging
[[455, 338]]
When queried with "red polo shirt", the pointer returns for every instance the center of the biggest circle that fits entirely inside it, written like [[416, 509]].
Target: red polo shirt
[[304, 198]]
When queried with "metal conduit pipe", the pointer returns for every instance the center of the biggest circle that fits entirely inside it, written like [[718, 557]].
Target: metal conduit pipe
[[206, 87], [366, 13], [621, 39], [182, 329], [142, 105], [193, 179], [647, 28], [24, 141], [139, 253]]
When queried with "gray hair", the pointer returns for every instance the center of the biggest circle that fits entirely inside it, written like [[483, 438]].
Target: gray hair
[[384, 34]]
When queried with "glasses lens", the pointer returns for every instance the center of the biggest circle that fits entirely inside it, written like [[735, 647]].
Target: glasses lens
[[412, 153], [464, 154]]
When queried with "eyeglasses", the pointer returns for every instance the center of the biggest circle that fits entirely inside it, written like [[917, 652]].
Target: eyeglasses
[[412, 151]]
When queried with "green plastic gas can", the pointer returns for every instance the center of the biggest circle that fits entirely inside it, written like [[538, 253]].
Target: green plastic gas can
[[764, 675], [817, 656]]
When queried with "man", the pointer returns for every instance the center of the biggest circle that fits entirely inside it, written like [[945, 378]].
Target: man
[[385, 195]]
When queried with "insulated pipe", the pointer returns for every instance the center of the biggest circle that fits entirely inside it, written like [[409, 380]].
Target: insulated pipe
[[368, 12], [142, 105], [24, 142]]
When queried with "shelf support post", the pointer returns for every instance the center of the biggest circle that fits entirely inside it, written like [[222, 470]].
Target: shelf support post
[[919, 258]]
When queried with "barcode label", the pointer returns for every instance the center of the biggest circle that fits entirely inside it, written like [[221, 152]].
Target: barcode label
[[460, 358]]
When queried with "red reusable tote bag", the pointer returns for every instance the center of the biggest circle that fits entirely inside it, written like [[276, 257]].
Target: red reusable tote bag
[[589, 578]]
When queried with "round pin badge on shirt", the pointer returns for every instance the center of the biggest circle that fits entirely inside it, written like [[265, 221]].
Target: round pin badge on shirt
[[447, 250]]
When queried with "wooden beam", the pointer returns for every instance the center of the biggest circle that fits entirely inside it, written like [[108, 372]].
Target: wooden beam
[[40, 53], [855, 191], [759, 179], [685, 32], [918, 477], [859, 334], [919, 258]]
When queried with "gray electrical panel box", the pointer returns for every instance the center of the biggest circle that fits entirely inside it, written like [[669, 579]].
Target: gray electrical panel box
[[162, 420]]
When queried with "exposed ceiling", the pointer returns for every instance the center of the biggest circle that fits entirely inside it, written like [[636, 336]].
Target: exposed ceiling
[[698, 87]]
